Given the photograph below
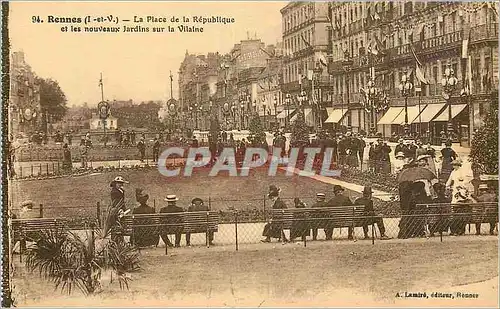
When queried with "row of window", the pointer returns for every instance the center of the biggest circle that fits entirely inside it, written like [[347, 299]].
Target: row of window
[[298, 16], [292, 71], [482, 77], [296, 42]]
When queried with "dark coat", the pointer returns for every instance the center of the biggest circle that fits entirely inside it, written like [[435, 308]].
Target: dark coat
[[279, 204], [171, 209], [198, 208], [368, 203], [320, 204], [339, 200], [117, 198], [145, 236]]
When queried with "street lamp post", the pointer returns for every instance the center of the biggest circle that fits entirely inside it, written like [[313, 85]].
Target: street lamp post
[[405, 87], [233, 108], [317, 74], [264, 116], [346, 65], [196, 116], [288, 100], [275, 101], [242, 115], [449, 83], [372, 96]]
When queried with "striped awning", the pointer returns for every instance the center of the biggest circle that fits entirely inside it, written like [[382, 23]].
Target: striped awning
[[285, 113], [336, 115], [455, 110], [428, 113], [390, 115]]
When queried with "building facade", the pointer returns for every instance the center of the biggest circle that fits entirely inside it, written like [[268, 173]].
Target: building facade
[[377, 45], [25, 114], [306, 43]]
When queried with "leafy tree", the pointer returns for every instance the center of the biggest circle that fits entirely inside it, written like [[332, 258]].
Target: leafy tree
[[257, 134], [300, 132], [484, 144], [52, 99]]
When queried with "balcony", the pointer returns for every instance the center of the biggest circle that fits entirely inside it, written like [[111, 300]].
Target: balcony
[[484, 33], [442, 42]]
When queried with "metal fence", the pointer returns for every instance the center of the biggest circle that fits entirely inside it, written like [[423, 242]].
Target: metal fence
[[240, 228]]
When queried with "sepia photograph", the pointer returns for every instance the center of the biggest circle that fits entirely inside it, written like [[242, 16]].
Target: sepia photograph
[[250, 154]]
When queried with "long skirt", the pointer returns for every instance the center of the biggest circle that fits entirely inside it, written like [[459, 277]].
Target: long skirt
[[446, 170]]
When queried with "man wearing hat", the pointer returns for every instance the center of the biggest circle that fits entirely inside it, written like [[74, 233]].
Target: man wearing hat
[[486, 196], [400, 147], [273, 231], [198, 205], [366, 200], [141, 146], [172, 208], [320, 202], [337, 201], [144, 236]]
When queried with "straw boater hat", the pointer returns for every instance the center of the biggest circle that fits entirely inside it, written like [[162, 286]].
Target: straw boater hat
[[320, 195], [400, 155], [118, 179], [171, 198], [483, 187], [27, 203]]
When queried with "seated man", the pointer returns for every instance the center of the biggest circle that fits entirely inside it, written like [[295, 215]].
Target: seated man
[[197, 205], [27, 212], [366, 200], [144, 236], [172, 208], [486, 195]]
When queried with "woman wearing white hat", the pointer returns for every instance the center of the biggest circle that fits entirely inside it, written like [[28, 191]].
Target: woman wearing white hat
[[399, 162], [117, 205], [458, 183]]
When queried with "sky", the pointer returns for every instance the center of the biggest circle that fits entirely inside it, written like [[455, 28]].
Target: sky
[[134, 65]]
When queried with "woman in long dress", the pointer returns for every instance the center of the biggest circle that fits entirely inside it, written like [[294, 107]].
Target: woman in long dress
[[448, 155], [459, 183], [431, 160]]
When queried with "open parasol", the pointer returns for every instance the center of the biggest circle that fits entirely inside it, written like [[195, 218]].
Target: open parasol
[[415, 173]]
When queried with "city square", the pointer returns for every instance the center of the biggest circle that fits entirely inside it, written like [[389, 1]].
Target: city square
[[194, 174]]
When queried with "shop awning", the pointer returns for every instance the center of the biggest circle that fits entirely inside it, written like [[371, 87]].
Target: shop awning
[[336, 115], [293, 118], [285, 113], [413, 112], [455, 110], [428, 113], [390, 115]]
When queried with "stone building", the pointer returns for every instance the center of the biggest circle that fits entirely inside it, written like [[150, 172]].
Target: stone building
[[306, 40], [383, 41]]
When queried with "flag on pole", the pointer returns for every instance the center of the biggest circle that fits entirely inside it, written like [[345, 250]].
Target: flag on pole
[[303, 39], [419, 74], [322, 59], [465, 42]]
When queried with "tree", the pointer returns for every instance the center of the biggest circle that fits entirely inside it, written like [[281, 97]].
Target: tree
[[484, 144], [52, 99], [300, 132], [257, 135]]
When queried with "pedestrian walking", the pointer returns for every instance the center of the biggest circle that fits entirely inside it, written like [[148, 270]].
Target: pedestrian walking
[[141, 146], [156, 149]]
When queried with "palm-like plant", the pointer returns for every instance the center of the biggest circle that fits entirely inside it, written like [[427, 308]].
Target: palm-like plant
[[69, 260]]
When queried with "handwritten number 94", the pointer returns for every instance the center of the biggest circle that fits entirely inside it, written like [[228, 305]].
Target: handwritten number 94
[[36, 19]]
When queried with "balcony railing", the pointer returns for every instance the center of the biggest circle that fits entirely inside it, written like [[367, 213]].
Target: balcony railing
[[449, 40], [484, 32]]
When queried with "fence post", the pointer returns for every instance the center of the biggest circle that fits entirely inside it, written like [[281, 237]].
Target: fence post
[[209, 203], [20, 171], [154, 204], [32, 170], [373, 231], [206, 234], [265, 213], [53, 168], [352, 225], [99, 213], [441, 223], [41, 210], [236, 228]]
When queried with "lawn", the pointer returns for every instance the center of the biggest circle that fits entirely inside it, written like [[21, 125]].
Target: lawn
[[78, 195], [323, 274]]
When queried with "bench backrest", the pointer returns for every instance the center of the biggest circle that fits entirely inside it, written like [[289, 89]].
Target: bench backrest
[[473, 212], [343, 216], [182, 222], [23, 226]]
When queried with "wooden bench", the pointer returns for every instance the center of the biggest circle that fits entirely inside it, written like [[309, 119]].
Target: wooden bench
[[470, 213], [321, 217], [29, 229], [170, 223]]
